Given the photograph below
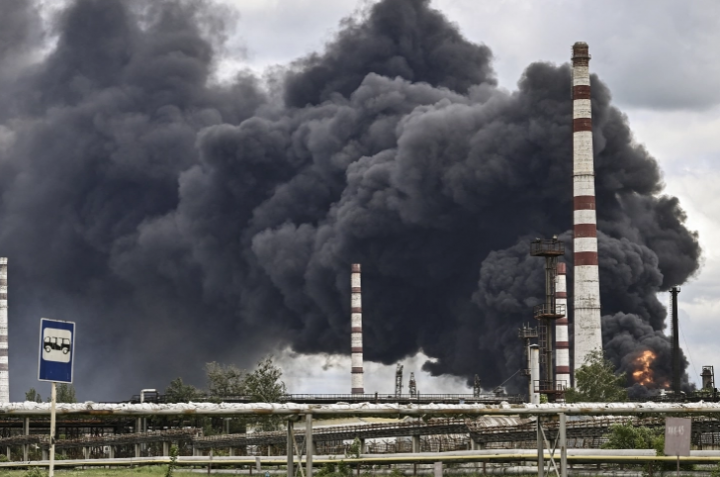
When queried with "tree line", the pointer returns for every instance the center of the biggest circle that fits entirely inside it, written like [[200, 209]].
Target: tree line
[[64, 393], [263, 384]]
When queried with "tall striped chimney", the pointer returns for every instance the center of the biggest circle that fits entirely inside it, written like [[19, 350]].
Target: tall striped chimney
[[4, 372], [356, 340], [586, 290], [562, 345]]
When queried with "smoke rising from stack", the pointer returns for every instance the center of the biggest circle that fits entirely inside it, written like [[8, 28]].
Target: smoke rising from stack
[[165, 214]]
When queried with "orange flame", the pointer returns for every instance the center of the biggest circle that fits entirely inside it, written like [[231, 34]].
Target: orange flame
[[644, 375]]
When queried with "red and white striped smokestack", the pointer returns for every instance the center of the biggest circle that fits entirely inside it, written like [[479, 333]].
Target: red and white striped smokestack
[[586, 290], [562, 345], [356, 341], [4, 371]]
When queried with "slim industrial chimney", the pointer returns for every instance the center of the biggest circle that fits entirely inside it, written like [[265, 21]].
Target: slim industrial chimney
[[356, 340], [586, 290], [562, 346], [676, 370], [4, 371]]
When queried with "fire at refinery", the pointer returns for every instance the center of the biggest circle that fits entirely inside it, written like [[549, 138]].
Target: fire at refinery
[[644, 374]]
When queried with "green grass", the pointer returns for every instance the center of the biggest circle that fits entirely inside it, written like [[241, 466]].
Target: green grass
[[141, 471]]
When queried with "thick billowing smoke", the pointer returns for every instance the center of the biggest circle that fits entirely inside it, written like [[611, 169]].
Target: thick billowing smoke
[[180, 222]]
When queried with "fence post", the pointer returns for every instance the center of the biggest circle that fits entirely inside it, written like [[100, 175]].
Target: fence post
[[309, 448], [26, 431], [540, 448], [563, 445], [290, 449]]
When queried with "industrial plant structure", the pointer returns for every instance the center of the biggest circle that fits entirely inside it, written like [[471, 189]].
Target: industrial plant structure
[[4, 370], [586, 290], [546, 313], [358, 386], [562, 343]]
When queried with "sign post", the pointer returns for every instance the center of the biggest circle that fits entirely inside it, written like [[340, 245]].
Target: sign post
[[677, 438], [57, 348]]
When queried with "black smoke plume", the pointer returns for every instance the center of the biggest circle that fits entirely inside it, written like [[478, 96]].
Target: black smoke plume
[[180, 221]]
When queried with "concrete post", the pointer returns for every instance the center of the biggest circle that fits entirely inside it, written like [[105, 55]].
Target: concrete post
[[166, 448], [290, 449], [563, 445], [111, 452], [139, 428], [9, 457], [308, 446], [226, 426], [26, 431], [86, 453], [45, 454], [540, 449], [231, 451], [416, 444], [473, 444]]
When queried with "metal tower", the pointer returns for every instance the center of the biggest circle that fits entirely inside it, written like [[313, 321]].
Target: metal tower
[[546, 313], [476, 386], [708, 378], [398, 380]]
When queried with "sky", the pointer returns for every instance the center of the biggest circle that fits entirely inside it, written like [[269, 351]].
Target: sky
[[655, 57]]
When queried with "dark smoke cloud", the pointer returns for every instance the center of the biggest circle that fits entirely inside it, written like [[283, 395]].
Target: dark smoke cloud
[[181, 222]]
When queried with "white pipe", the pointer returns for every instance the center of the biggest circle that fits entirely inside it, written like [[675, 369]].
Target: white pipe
[[143, 391], [363, 409], [599, 456]]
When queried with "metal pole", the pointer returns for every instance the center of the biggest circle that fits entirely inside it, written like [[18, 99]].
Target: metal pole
[[541, 449], [53, 399], [290, 449], [308, 445], [563, 445]]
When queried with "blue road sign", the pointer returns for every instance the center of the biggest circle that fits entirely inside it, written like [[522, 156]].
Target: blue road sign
[[57, 347]]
